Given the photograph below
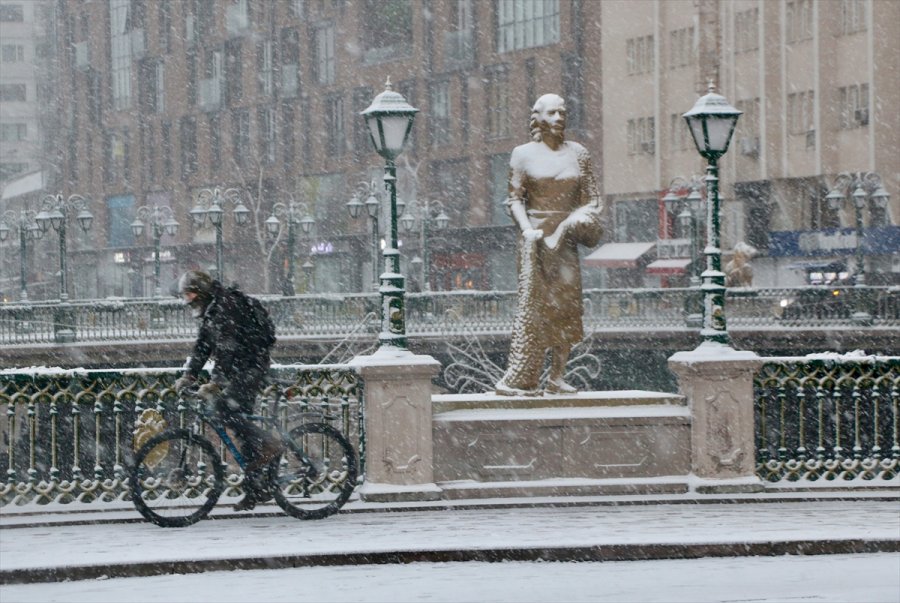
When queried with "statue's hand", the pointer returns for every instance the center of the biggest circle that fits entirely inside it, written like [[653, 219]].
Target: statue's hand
[[532, 234]]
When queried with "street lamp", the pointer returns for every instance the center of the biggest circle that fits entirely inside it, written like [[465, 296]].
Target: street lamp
[[55, 211], [423, 212], [390, 120], [296, 213], [372, 204], [209, 204], [28, 229], [689, 206], [160, 219], [863, 188], [712, 121]]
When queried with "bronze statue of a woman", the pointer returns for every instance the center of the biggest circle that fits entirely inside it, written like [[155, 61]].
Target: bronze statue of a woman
[[555, 202]]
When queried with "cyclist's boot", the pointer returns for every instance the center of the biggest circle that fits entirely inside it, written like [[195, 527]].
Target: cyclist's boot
[[248, 503]]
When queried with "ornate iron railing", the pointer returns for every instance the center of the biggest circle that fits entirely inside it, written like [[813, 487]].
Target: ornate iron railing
[[66, 435], [456, 313], [829, 418]]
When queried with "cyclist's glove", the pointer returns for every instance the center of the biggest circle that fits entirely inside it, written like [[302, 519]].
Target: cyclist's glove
[[209, 391], [184, 382]]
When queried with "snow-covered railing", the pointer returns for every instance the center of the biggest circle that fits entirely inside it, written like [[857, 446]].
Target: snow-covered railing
[[66, 435], [454, 313], [827, 418]]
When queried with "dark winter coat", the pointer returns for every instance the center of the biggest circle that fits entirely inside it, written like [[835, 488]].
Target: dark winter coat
[[223, 337]]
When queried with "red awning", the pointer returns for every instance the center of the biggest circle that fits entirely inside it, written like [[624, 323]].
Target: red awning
[[669, 266], [618, 255]]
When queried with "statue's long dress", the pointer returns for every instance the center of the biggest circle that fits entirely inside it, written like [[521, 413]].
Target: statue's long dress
[[549, 307]]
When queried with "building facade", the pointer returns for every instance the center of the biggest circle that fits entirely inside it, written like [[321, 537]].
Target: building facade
[[162, 102]]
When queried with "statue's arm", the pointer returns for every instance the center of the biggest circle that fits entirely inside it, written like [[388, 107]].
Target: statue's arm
[[515, 201]]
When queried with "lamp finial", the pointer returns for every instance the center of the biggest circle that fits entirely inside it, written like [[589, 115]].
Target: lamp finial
[[387, 84]]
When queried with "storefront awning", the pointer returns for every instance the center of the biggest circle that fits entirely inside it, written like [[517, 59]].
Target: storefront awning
[[618, 255], [669, 266]]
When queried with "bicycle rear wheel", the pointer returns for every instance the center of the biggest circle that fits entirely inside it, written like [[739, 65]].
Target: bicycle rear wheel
[[177, 479], [317, 473]]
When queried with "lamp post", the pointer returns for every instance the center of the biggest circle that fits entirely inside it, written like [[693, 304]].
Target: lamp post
[[711, 121], [390, 120], [209, 205], [28, 230], [295, 213], [369, 190], [160, 219], [423, 213], [689, 206], [55, 211], [863, 188]]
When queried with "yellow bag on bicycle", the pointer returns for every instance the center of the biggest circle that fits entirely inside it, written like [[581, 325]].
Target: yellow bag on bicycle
[[147, 425]]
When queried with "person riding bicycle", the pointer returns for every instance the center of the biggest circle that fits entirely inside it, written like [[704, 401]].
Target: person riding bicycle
[[236, 332]]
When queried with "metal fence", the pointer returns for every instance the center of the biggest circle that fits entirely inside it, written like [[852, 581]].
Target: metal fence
[[455, 313], [828, 419], [66, 435]]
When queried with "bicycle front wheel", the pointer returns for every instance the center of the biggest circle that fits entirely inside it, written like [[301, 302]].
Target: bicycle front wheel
[[177, 478], [317, 473]]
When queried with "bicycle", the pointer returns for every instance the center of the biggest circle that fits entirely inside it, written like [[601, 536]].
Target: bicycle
[[178, 475]]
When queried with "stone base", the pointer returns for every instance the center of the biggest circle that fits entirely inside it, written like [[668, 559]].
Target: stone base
[[564, 487], [747, 485], [371, 492], [485, 438]]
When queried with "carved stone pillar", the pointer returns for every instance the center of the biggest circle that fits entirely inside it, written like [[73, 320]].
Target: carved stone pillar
[[398, 424], [718, 384]]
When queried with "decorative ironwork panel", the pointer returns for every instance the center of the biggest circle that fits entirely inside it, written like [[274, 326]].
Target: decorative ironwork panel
[[828, 418]]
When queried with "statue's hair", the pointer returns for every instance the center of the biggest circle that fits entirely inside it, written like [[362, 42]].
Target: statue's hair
[[534, 124]]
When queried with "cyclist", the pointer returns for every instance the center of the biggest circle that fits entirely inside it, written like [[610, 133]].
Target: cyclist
[[236, 332]]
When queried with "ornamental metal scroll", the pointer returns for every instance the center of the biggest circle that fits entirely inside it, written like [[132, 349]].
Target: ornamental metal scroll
[[828, 419], [66, 436]]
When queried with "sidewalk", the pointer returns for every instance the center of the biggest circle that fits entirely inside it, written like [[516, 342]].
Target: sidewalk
[[48, 547]]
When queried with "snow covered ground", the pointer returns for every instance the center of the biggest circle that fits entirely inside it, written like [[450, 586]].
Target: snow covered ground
[[871, 578], [631, 525]]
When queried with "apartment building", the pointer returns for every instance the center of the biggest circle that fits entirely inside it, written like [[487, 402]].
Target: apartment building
[[164, 101]]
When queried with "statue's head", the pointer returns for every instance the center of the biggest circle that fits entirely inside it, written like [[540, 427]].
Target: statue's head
[[548, 116]]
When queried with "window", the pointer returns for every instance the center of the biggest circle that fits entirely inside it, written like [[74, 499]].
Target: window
[[267, 137], [798, 20], [747, 132], [334, 124], [408, 90], [361, 99], [188, 140], [12, 93], [324, 53], [165, 26], [387, 29], [440, 113], [526, 24], [681, 135], [115, 156], [160, 87], [152, 86], [264, 67], [642, 136], [746, 28], [119, 215], [290, 63], [215, 143], [234, 91], [573, 91], [298, 9], [682, 45], [853, 16], [499, 188], [12, 53], [148, 144], [240, 136], [800, 112], [459, 43], [854, 106], [498, 102], [12, 13], [636, 220], [13, 132], [120, 53], [167, 149], [639, 55], [288, 147], [211, 87]]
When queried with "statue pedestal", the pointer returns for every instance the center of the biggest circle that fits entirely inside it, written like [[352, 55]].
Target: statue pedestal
[[399, 452]]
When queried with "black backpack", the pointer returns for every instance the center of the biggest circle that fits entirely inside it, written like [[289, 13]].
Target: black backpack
[[257, 329]]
